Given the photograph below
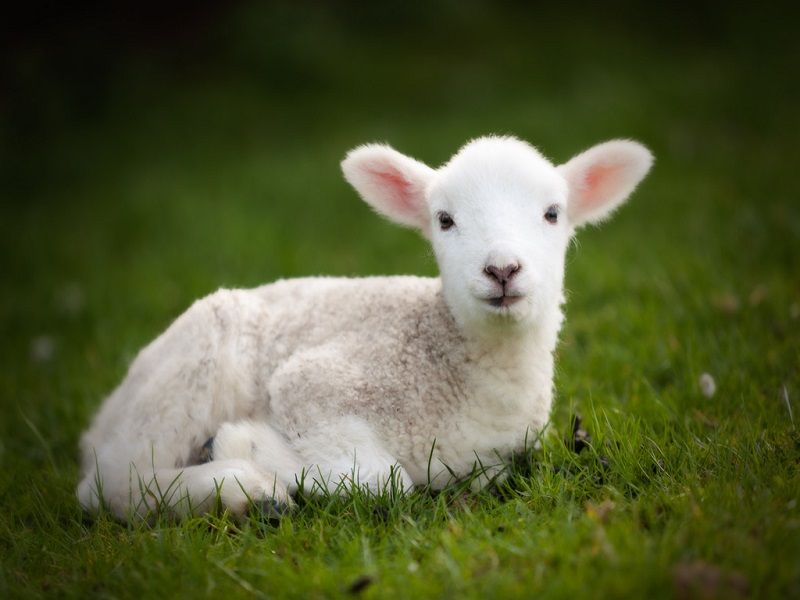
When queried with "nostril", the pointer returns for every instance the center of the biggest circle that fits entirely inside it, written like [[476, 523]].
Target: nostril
[[502, 275]]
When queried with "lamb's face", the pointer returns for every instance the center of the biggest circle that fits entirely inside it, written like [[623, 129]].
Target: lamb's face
[[498, 225], [499, 216]]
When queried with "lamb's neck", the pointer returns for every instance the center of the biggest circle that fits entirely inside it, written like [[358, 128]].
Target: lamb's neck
[[518, 366], [512, 384], [525, 346], [508, 340], [525, 352]]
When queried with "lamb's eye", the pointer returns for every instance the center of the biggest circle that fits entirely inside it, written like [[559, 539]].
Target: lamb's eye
[[551, 215], [445, 221]]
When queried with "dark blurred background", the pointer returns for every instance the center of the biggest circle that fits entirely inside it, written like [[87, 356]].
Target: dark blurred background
[[67, 67]]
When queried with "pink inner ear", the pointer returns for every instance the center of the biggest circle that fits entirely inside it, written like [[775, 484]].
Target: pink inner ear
[[597, 182], [402, 195]]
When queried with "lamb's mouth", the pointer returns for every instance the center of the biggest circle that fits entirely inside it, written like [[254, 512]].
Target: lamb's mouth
[[503, 301]]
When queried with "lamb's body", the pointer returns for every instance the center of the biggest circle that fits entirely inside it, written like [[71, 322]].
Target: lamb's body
[[321, 379], [249, 355]]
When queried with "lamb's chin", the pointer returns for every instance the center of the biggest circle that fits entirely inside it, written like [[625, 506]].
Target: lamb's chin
[[505, 309], [503, 302]]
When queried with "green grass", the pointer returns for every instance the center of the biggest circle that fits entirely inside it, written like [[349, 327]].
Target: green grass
[[225, 173]]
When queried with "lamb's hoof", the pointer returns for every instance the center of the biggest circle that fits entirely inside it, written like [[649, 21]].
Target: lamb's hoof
[[270, 511], [580, 438], [207, 451], [381, 513]]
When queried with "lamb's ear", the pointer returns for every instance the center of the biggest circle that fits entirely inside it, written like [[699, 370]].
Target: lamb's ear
[[390, 182], [602, 178]]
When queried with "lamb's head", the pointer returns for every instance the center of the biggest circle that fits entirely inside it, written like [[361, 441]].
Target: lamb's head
[[499, 216]]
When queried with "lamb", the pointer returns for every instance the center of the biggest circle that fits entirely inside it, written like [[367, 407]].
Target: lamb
[[403, 381]]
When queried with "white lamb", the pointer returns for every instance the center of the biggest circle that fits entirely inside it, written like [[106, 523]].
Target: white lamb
[[375, 381]]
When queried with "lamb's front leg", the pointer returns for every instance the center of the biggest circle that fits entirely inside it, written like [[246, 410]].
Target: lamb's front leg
[[348, 450], [326, 410], [260, 443], [321, 457]]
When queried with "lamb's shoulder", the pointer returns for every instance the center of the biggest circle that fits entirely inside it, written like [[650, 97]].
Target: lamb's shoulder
[[384, 348], [380, 285]]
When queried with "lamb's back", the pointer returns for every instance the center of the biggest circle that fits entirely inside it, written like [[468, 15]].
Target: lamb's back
[[306, 312]]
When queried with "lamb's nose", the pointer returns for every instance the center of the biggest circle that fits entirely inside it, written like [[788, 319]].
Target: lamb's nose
[[502, 275]]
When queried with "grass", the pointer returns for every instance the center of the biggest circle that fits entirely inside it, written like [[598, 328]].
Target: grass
[[202, 168]]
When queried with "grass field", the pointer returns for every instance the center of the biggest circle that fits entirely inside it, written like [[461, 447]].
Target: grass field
[[213, 162]]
